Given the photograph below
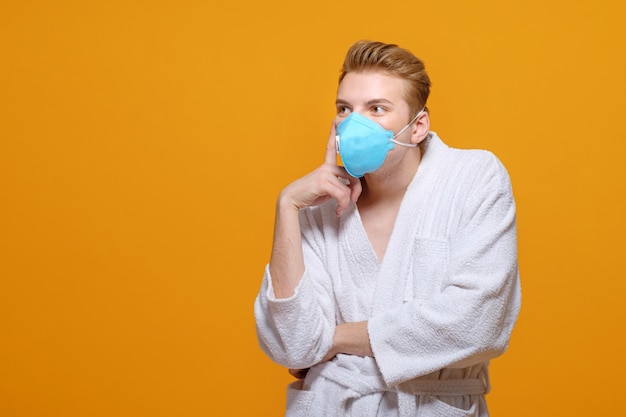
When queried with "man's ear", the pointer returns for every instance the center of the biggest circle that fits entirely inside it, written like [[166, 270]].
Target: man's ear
[[421, 127]]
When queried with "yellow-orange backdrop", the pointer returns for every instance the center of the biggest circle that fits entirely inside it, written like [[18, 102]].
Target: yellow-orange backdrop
[[142, 144]]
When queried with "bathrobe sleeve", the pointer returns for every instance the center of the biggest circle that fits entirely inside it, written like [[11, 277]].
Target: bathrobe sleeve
[[470, 318], [298, 331]]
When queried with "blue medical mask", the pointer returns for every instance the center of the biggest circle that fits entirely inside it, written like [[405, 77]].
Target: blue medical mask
[[363, 144]]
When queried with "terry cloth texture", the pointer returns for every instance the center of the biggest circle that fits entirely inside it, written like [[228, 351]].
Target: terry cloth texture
[[440, 305]]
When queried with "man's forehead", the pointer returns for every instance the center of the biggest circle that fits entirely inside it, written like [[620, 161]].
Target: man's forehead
[[370, 86]]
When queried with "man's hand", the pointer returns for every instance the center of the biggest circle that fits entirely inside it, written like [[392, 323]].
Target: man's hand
[[299, 373], [327, 181]]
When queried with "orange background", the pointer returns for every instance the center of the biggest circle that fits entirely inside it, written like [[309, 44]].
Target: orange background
[[143, 143]]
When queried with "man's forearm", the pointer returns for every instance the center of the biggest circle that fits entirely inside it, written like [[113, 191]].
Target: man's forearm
[[287, 262], [352, 339]]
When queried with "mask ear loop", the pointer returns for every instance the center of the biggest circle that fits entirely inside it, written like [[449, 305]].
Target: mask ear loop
[[408, 145]]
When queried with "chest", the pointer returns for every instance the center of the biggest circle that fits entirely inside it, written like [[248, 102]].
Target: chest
[[386, 257], [378, 223], [410, 266]]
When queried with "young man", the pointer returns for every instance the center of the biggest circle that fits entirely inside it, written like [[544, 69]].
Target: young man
[[393, 280]]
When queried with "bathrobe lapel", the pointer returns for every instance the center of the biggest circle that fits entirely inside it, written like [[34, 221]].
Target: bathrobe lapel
[[395, 271], [358, 269], [383, 285]]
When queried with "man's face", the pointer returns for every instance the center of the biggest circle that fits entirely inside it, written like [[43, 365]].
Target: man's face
[[377, 96]]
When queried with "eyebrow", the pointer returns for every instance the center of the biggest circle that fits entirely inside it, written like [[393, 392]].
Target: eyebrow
[[368, 103]]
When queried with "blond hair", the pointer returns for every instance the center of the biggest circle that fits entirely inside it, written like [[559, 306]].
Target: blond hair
[[392, 60]]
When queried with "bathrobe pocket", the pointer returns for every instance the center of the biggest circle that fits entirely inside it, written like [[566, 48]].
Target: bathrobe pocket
[[299, 400], [427, 269], [431, 406]]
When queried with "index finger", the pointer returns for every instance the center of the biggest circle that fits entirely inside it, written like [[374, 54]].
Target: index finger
[[331, 147]]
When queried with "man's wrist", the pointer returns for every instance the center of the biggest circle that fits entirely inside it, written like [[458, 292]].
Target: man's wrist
[[285, 205]]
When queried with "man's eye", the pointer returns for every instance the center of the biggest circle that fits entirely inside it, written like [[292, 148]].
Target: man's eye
[[378, 109]]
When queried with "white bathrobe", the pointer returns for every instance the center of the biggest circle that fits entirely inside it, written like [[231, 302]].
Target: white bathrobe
[[439, 306]]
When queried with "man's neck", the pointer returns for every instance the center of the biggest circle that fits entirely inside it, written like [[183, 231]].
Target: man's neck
[[390, 187]]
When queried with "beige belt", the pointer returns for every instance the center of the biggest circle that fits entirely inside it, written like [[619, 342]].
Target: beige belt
[[359, 385]]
